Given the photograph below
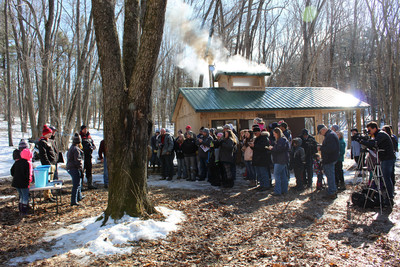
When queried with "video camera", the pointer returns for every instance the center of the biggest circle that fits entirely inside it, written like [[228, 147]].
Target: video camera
[[360, 137]]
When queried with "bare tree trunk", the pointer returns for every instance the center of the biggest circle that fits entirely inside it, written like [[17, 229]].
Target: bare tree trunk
[[127, 113], [9, 121], [45, 55], [23, 59]]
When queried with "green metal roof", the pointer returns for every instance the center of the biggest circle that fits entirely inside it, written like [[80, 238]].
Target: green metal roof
[[273, 98]]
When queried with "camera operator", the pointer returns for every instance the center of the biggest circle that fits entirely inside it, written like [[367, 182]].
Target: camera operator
[[381, 140]]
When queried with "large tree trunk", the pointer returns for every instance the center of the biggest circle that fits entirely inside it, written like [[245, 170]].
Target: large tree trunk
[[127, 111]]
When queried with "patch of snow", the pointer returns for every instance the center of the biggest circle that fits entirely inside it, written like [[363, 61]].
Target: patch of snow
[[88, 237]]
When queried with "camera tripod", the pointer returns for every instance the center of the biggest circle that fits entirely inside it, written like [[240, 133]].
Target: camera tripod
[[361, 169], [377, 178]]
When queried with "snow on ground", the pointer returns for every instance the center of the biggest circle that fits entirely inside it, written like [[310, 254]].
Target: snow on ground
[[88, 238]]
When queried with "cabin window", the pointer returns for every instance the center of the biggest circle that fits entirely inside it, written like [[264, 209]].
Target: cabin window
[[246, 81], [219, 124]]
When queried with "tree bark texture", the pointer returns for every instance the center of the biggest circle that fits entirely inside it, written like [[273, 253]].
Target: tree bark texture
[[127, 111], [9, 122]]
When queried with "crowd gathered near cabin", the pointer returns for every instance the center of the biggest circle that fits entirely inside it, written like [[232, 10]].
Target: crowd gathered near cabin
[[270, 151], [267, 151]]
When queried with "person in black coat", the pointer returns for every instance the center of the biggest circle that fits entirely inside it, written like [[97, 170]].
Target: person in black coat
[[88, 147], [21, 175], [75, 157], [154, 159], [330, 153], [227, 147], [48, 156], [309, 145], [180, 157], [189, 149], [382, 141], [261, 158]]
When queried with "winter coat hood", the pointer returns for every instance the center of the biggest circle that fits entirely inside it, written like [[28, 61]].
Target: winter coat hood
[[26, 154]]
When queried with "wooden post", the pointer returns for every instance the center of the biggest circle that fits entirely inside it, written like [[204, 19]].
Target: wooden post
[[358, 120]]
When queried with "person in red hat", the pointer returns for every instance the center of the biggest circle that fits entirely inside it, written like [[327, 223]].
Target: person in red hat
[[48, 156], [189, 130]]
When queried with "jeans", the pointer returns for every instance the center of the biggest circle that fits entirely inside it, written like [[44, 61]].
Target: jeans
[[251, 172], [191, 167], [329, 170], [387, 168], [182, 168], [203, 168], [23, 195], [167, 166], [76, 194], [105, 176], [263, 176], [281, 179]]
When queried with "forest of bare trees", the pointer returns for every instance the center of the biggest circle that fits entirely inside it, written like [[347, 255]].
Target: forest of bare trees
[[50, 65]]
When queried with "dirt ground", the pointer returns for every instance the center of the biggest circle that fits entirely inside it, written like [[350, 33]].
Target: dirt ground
[[227, 227]]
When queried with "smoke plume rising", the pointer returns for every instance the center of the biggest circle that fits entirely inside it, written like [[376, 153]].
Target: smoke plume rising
[[200, 51]]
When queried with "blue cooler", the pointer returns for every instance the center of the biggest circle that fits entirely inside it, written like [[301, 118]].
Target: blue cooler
[[42, 175]]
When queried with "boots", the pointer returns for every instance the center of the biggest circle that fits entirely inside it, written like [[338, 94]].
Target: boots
[[90, 183], [23, 209]]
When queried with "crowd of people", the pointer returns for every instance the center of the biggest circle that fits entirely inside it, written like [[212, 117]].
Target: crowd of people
[[267, 151]]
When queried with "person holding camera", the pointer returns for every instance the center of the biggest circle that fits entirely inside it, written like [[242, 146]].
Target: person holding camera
[[330, 154], [381, 140]]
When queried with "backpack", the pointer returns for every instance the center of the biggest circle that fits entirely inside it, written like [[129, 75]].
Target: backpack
[[372, 200]]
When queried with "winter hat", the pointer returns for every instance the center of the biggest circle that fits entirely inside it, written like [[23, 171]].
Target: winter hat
[[354, 130], [22, 145], [206, 130], [319, 127], [220, 134], [46, 130], [76, 139], [188, 127], [226, 126], [83, 127], [304, 132], [256, 129], [273, 125], [335, 127], [157, 131], [283, 124], [230, 126], [297, 141]]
